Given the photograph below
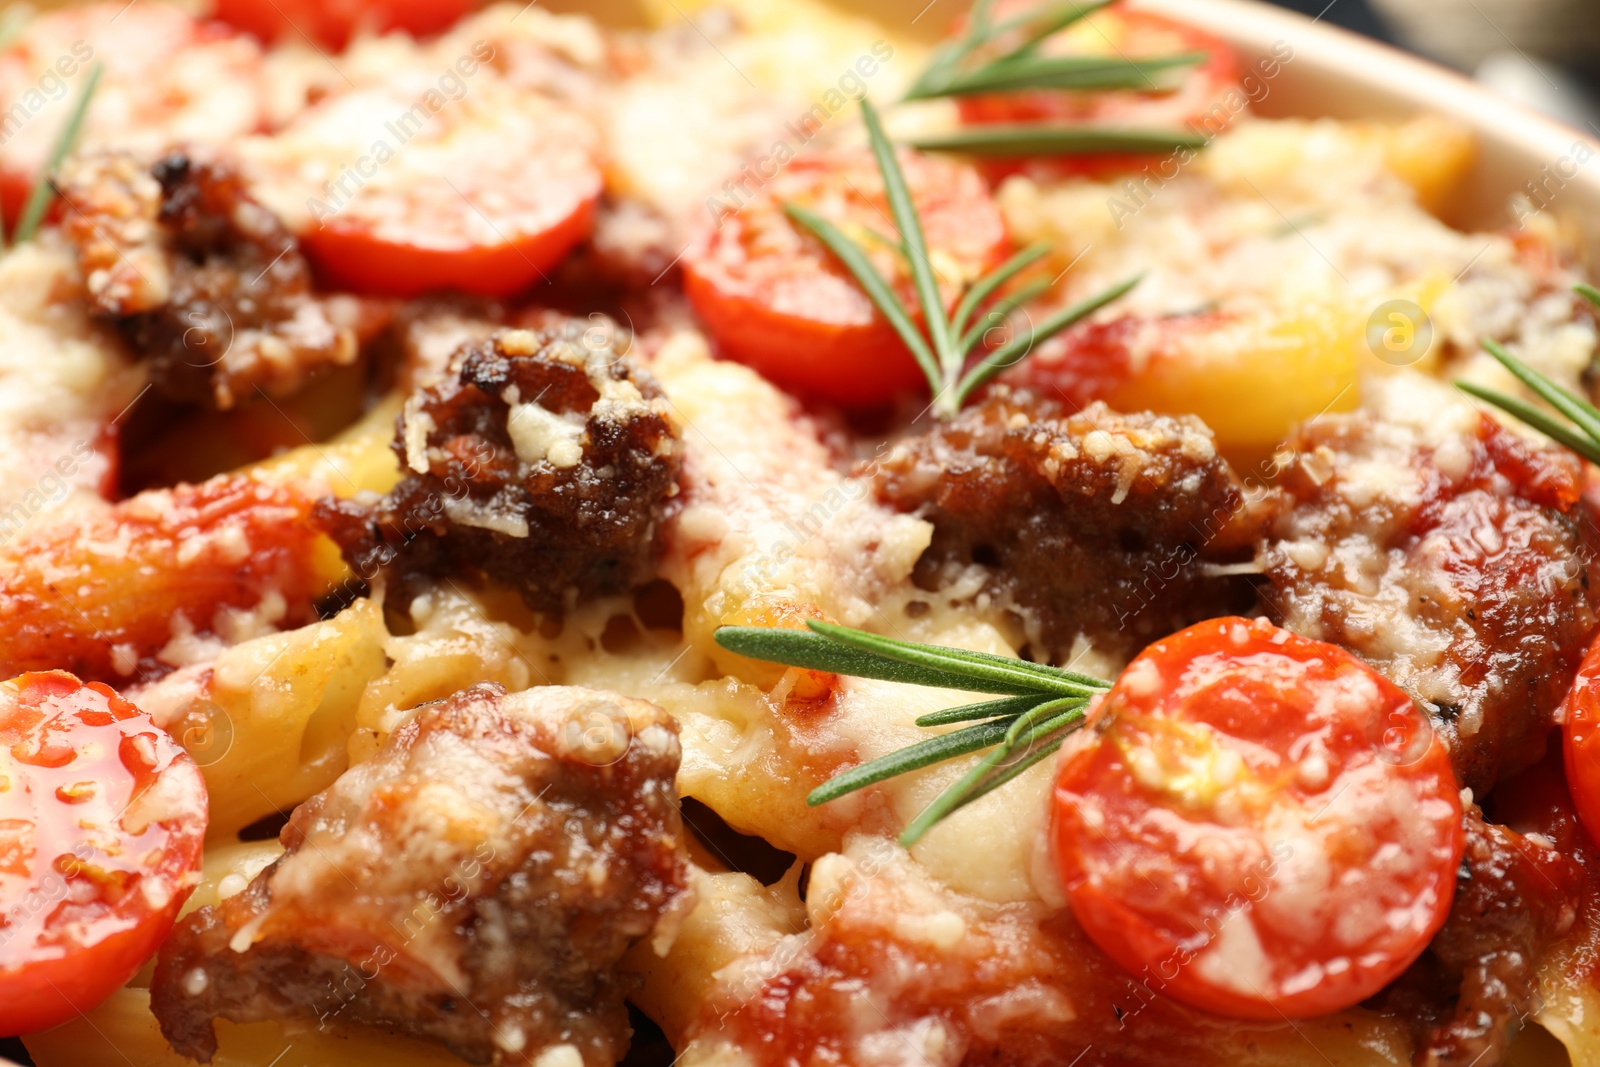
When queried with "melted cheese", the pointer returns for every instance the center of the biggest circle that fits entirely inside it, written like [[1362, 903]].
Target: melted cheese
[[62, 382]]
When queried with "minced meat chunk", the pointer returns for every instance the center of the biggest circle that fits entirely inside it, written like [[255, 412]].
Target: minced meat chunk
[[201, 279], [1095, 524], [1477, 983], [477, 882], [540, 460], [1449, 554]]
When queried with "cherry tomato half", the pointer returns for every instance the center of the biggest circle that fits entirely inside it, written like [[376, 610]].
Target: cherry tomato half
[[776, 299], [398, 190], [1114, 31], [1260, 825], [333, 22], [102, 818], [1581, 713], [169, 79]]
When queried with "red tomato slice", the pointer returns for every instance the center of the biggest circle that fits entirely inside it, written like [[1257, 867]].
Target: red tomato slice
[[1581, 715], [169, 79], [398, 189], [1117, 31], [1261, 825], [776, 299], [102, 818], [333, 22]]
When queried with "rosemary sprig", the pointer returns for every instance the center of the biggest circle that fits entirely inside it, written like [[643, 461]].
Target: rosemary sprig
[[43, 188], [1022, 67], [954, 71], [1046, 703], [1581, 431], [950, 342]]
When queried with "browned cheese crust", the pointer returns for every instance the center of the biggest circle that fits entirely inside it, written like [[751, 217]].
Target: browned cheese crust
[[475, 882], [1095, 524], [540, 460], [201, 279]]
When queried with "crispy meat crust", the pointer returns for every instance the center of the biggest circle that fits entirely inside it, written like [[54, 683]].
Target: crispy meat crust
[[1096, 524], [540, 460], [201, 279], [1462, 570], [475, 882]]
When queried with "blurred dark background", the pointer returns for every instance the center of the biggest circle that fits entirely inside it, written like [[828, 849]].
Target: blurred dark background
[[1544, 54]]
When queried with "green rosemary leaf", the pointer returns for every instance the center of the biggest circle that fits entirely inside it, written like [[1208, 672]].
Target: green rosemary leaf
[[1081, 73], [978, 18], [1581, 413], [12, 22], [998, 311], [801, 648], [1018, 348], [947, 60], [911, 758], [976, 667], [1539, 419], [1043, 138], [980, 290], [1047, 23], [1038, 752], [872, 283], [1025, 729], [989, 709], [1589, 293], [43, 189], [904, 213], [1021, 729]]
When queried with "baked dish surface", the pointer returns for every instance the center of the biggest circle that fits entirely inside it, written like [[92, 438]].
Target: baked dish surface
[[759, 535]]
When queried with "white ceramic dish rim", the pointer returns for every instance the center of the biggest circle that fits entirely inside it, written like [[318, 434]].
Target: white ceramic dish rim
[[1338, 74]]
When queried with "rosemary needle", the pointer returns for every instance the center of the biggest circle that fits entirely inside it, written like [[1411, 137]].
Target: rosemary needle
[[1581, 430], [956, 70], [1019, 730], [43, 189], [1042, 139], [1023, 67]]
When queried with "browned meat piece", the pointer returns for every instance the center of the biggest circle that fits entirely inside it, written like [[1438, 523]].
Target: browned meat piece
[[540, 460], [203, 281], [1471, 991], [1095, 524], [1452, 558], [475, 882]]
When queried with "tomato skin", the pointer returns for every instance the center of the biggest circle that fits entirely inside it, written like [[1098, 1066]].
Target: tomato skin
[[853, 364], [1258, 825], [1581, 740], [102, 820], [775, 299], [485, 193], [333, 22], [349, 256], [1193, 107]]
